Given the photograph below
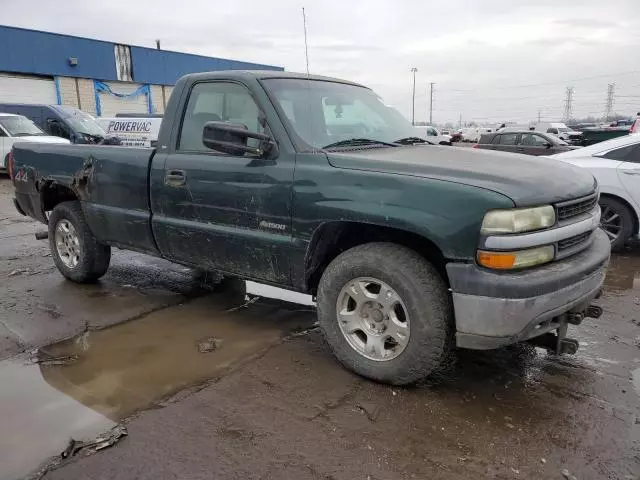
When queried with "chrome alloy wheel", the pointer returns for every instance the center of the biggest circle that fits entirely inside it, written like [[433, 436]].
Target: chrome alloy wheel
[[67, 243], [373, 318]]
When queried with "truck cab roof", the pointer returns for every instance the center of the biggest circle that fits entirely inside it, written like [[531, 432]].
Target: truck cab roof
[[266, 74]]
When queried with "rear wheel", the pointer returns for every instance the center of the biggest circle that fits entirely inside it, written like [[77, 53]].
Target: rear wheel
[[386, 313], [74, 249], [617, 222]]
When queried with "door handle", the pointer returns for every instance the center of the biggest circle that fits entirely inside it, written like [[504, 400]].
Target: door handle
[[632, 172], [175, 178]]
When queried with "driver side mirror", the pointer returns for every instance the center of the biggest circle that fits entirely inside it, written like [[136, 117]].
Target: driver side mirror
[[232, 138], [547, 145]]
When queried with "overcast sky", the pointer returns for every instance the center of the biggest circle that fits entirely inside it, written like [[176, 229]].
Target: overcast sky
[[491, 60]]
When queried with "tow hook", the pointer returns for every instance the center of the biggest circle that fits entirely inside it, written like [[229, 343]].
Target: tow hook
[[558, 343], [42, 235]]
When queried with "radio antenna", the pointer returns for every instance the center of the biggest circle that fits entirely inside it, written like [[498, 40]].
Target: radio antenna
[[306, 47]]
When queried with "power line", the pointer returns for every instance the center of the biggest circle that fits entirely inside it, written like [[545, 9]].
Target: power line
[[502, 87]]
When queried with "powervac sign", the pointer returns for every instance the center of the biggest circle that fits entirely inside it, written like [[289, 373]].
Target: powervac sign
[[132, 132], [131, 126]]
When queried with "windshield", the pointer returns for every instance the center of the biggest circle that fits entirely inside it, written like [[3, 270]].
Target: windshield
[[80, 121], [564, 129], [19, 126], [323, 113]]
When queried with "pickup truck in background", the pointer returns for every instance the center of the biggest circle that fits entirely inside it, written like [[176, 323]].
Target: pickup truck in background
[[308, 183]]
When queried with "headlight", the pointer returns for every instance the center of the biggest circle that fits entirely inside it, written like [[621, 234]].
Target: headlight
[[518, 220], [517, 259]]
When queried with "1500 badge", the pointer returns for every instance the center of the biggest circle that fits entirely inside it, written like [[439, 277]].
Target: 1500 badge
[[272, 226]]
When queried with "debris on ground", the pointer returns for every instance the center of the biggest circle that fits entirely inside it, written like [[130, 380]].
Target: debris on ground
[[18, 271], [370, 410], [106, 440], [210, 344], [313, 328], [43, 358], [247, 301]]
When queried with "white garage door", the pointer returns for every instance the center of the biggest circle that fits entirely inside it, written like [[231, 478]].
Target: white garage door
[[110, 104], [24, 89]]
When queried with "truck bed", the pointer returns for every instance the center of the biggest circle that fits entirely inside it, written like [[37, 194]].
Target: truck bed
[[111, 182]]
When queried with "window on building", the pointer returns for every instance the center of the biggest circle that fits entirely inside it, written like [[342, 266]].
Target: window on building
[[124, 71]]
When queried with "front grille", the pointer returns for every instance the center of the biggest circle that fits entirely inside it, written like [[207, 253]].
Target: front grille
[[573, 208], [571, 242]]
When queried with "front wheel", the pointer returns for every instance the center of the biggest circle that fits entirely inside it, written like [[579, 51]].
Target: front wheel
[[386, 313], [617, 222], [75, 251]]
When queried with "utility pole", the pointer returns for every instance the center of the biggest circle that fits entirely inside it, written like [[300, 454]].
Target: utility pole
[[568, 104], [539, 114], [431, 103], [413, 102], [460, 122], [609, 108]]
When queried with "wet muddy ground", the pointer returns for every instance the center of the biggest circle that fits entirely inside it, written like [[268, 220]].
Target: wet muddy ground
[[218, 385]]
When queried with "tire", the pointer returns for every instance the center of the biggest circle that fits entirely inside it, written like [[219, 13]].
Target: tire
[[92, 257], [617, 220], [424, 297]]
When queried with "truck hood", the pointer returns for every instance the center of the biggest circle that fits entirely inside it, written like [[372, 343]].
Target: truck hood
[[41, 139], [524, 179]]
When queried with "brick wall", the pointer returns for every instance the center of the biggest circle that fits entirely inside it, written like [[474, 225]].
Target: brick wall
[[68, 91], [87, 96]]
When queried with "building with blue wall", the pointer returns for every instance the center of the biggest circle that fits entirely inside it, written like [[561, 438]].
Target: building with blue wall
[[99, 77]]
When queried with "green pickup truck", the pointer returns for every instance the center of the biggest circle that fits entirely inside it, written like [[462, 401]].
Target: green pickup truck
[[309, 183]]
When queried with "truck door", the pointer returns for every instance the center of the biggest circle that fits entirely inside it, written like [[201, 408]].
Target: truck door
[[217, 210]]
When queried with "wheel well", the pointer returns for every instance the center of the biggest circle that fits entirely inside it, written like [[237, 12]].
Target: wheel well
[[52, 194], [634, 215], [333, 238]]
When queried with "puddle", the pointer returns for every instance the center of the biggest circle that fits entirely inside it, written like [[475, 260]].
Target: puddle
[[40, 419], [624, 272], [86, 384]]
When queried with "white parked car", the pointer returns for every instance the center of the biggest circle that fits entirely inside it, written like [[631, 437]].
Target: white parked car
[[435, 136], [16, 128], [616, 165]]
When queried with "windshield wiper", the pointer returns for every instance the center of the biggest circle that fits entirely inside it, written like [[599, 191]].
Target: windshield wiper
[[355, 142], [412, 140]]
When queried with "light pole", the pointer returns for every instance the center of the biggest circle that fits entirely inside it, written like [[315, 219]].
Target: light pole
[[413, 103]]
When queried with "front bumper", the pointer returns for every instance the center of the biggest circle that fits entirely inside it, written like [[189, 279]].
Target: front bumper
[[494, 309]]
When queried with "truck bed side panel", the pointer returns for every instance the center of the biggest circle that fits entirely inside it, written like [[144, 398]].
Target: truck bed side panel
[[111, 182]]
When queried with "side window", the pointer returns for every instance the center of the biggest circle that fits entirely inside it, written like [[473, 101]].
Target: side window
[[630, 153], [57, 129], [552, 130], [496, 139], [508, 138], [431, 132], [533, 140], [217, 101], [2, 132]]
